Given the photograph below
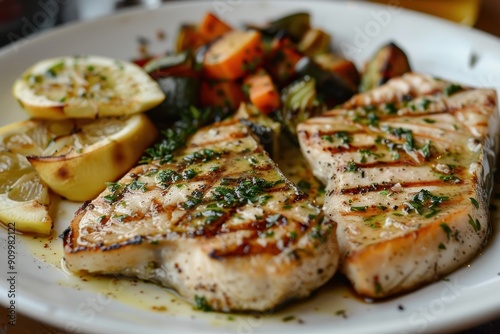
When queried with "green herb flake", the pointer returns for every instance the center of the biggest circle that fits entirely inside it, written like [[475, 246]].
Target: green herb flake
[[429, 121], [378, 287], [452, 89], [359, 208], [188, 174], [475, 224], [441, 246], [474, 202], [200, 303], [351, 167], [446, 230], [136, 185], [193, 200], [390, 108]]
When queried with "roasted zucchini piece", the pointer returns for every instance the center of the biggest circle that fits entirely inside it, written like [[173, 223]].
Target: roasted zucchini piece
[[314, 42], [389, 62], [180, 94], [341, 66], [299, 102], [178, 64], [331, 87], [293, 25], [179, 82]]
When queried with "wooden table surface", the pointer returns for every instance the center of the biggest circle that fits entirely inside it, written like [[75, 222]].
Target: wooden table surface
[[489, 21]]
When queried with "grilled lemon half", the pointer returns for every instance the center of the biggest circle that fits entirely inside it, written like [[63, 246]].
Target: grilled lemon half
[[85, 87]]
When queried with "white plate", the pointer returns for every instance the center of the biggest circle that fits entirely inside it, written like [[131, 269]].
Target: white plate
[[48, 293]]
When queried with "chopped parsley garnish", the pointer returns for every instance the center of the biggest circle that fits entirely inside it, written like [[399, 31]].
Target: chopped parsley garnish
[[213, 215], [446, 230], [188, 174], [246, 191], [359, 208], [450, 178], [136, 185], [168, 176], [193, 200], [441, 246], [452, 89], [429, 121], [425, 203], [175, 138], [474, 202], [200, 303], [390, 108], [351, 167], [203, 155], [115, 189], [475, 224]]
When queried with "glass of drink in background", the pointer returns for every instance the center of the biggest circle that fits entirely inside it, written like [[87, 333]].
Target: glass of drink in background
[[461, 11]]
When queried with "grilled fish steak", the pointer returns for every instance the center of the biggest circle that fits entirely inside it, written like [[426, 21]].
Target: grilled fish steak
[[408, 175], [221, 225]]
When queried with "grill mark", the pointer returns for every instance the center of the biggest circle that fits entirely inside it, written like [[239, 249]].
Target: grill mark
[[384, 164], [344, 149], [374, 210], [373, 188]]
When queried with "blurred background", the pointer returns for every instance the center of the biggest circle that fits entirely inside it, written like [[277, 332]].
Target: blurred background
[[19, 18]]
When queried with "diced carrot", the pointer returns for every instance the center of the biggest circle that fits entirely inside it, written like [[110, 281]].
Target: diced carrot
[[212, 27], [189, 38], [233, 55], [281, 60], [262, 92], [221, 94]]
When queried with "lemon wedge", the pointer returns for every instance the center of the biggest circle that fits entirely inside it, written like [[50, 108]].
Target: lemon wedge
[[86, 87], [76, 157], [24, 198]]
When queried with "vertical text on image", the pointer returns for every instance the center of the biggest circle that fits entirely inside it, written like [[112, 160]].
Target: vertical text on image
[[11, 273]]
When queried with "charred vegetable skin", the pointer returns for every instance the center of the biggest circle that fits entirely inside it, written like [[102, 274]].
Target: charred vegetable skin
[[389, 62]]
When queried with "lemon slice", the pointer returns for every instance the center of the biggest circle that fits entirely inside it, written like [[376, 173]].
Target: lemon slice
[[24, 198], [86, 87], [75, 158]]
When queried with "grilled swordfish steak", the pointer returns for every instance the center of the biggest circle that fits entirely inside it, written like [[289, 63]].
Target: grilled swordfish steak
[[220, 224], [408, 175]]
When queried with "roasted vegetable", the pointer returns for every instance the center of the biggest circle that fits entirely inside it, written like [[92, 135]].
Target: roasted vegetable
[[179, 82], [341, 66], [281, 60], [233, 55], [294, 26], [331, 88], [389, 62], [189, 38], [262, 92], [212, 27], [180, 92], [299, 102], [314, 42], [180, 64], [223, 94]]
